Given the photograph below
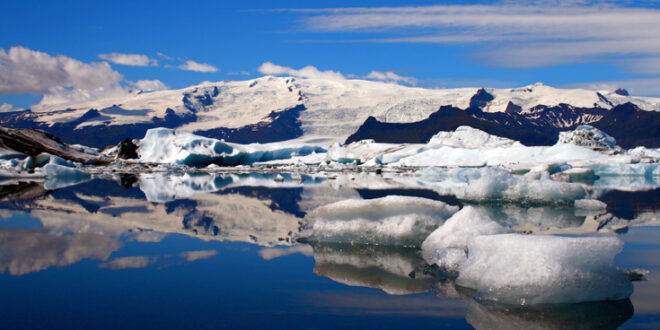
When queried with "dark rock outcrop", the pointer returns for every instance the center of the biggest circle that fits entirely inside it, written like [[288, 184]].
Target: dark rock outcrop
[[33, 142], [481, 99], [127, 150], [278, 126]]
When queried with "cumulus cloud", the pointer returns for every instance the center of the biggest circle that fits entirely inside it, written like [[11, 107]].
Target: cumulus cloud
[[24, 70], [309, 71], [508, 34], [147, 85], [390, 76], [62, 97], [129, 59], [197, 67], [5, 107]]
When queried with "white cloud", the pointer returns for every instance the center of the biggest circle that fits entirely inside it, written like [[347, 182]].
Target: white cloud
[[509, 35], [24, 70], [309, 71], [5, 107], [197, 67], [390, 76], [129, 59], [147, 85]]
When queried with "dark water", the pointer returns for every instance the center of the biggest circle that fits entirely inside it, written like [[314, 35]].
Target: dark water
[[220, 252]]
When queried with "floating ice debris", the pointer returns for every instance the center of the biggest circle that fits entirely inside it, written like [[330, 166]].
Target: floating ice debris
[[391, 220], [446, 246], [529, 269]]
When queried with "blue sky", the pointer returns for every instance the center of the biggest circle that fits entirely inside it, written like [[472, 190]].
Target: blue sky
[[596, 44]]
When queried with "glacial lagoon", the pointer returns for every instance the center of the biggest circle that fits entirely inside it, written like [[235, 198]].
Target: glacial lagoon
[[239, 250]]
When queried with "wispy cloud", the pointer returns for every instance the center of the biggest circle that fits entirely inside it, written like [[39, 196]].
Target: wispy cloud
[[24, 70], [129, 59], [649, 86], [389, 76], [197, 67], [533, 34], [306, 72]]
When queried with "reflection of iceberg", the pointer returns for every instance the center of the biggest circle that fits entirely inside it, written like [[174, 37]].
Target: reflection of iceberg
[[393, 220], [26, 251], [395, 270], [593, 315], [164, 187]]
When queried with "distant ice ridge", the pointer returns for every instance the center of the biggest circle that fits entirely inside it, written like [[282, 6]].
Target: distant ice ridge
[[464, 147], [391, 220], [532, 269], [165, 146]]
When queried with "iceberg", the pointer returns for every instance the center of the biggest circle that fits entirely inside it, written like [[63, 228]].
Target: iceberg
[[391, 220], [446, 246], [519, 269], [589, 137], [165, 146]]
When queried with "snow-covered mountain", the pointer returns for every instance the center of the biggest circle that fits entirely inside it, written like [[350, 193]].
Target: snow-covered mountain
[[326, 110]]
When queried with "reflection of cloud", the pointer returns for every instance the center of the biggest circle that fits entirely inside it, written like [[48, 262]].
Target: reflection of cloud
[[191, 256], [272, 253], [128, 262], [26, 251]]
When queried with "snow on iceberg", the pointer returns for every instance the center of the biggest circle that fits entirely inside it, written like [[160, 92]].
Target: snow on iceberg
[[391, 220], [446, 246], [493, 184], [529, 269], [165, 146]]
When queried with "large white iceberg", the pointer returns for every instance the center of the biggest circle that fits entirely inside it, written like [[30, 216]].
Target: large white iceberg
[[529, 269], [391, 220], [589, 137], [446, 246], [165, 146]]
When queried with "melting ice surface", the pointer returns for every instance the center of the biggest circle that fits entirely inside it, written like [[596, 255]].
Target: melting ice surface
[[479, 248]]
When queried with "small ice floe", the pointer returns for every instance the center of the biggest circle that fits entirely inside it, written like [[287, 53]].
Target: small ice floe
[[391, 220]]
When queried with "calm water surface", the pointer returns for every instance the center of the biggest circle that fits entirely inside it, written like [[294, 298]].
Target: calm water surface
[[220, 252]]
